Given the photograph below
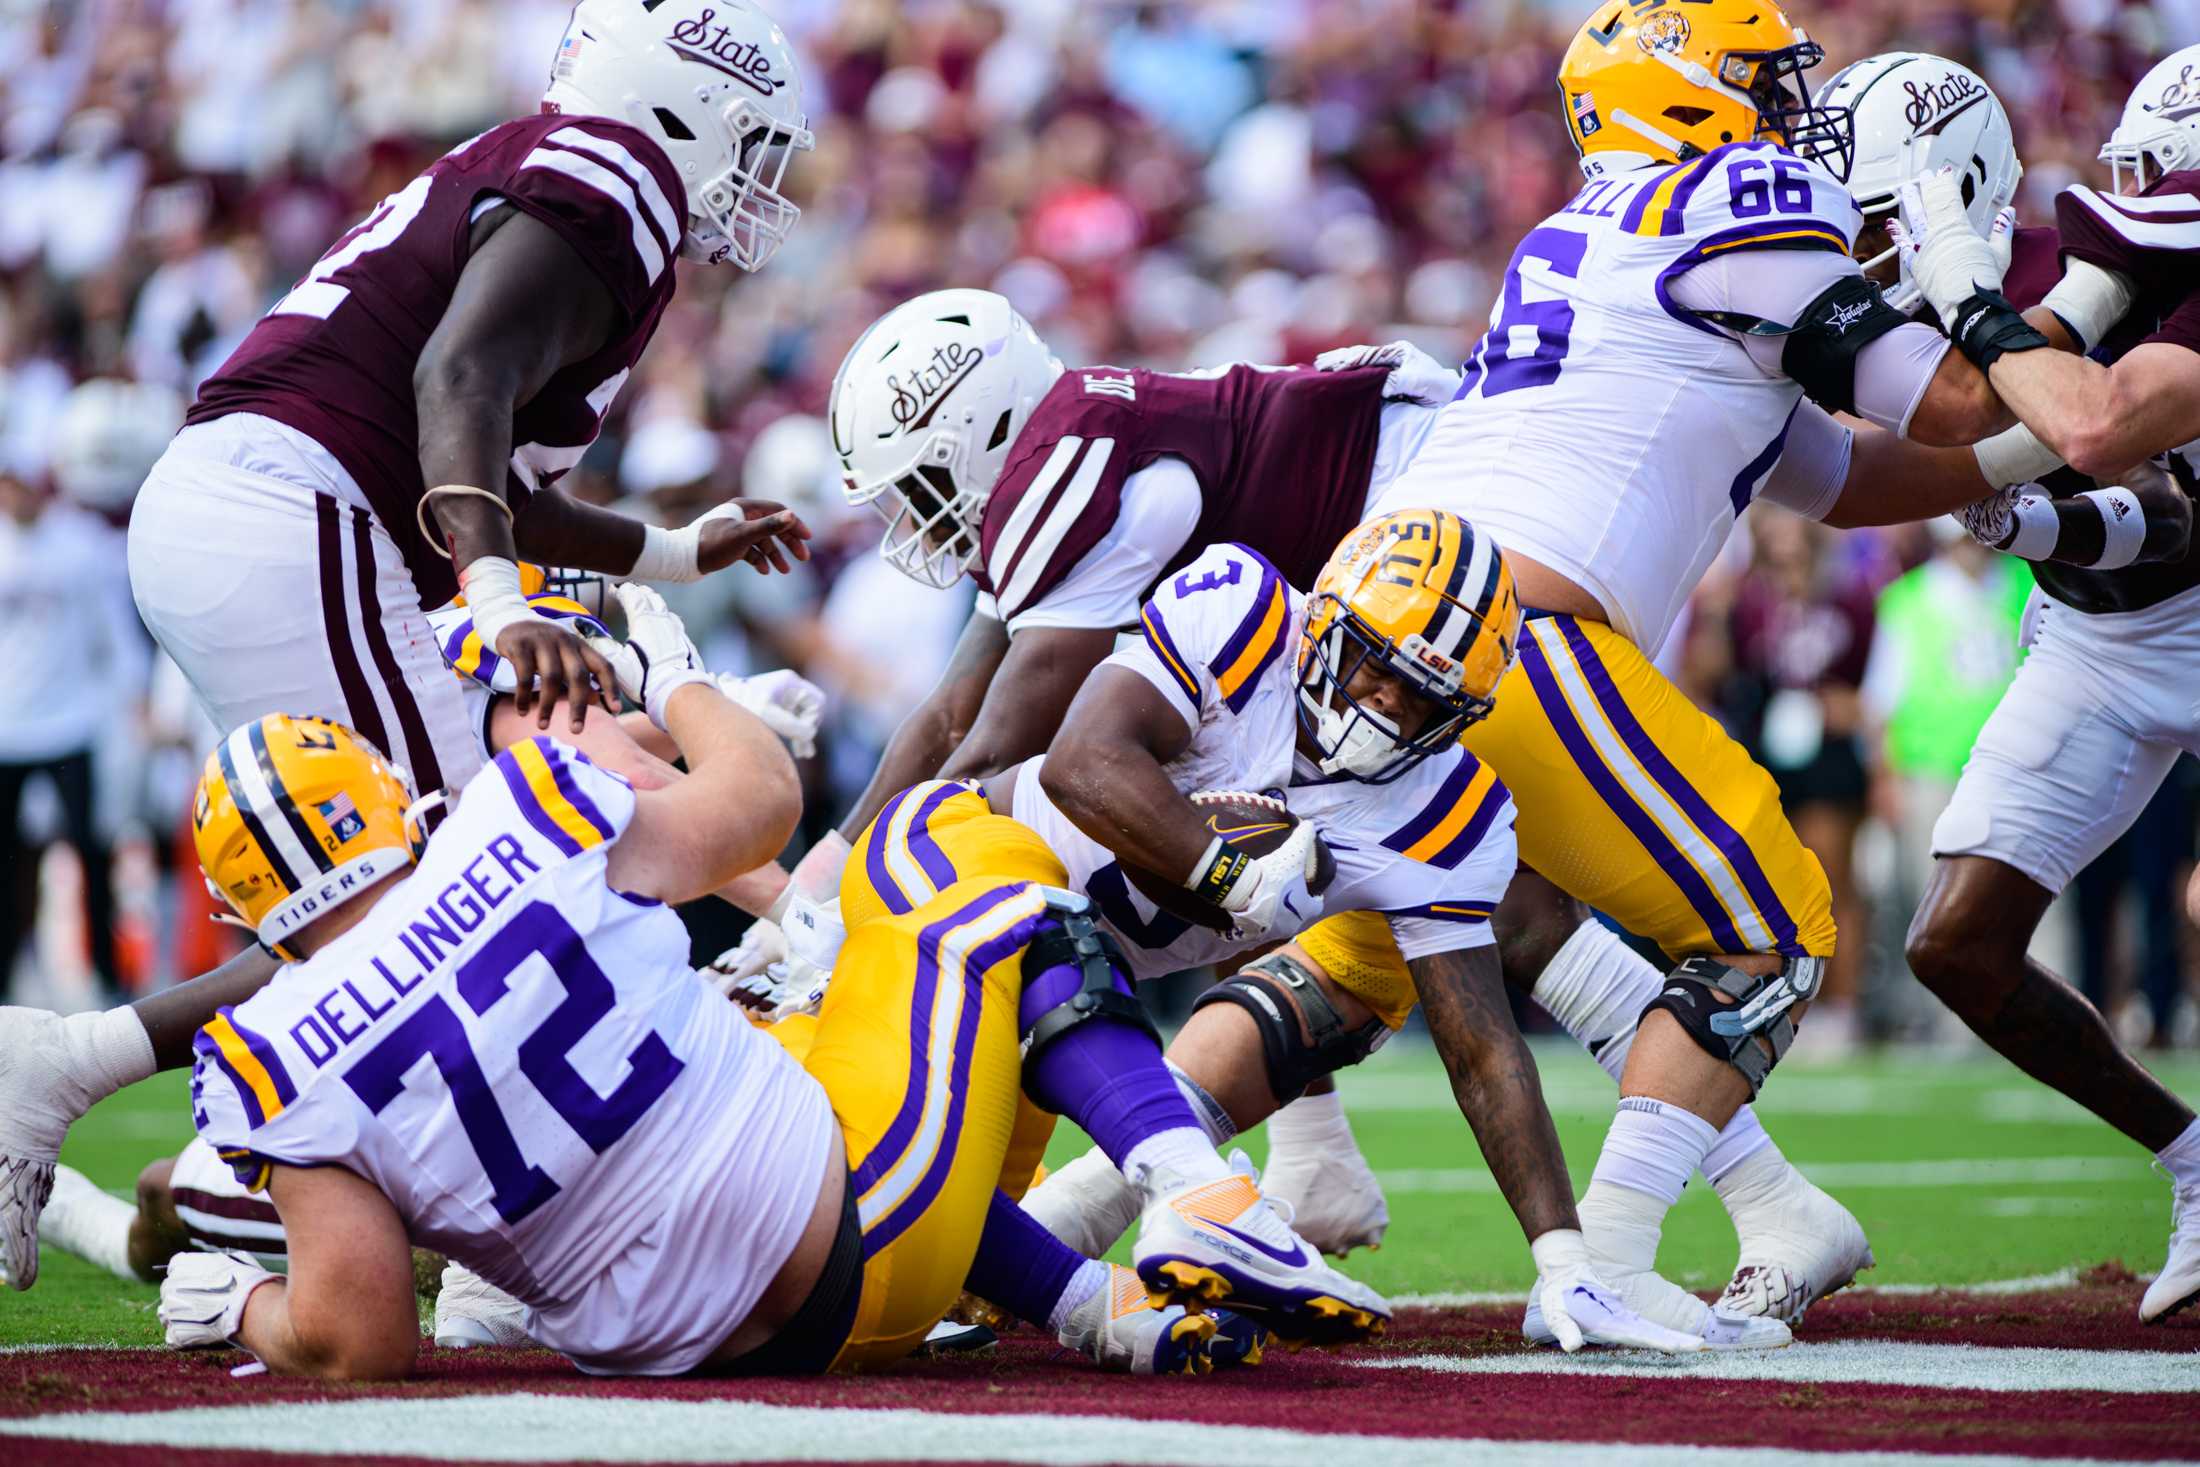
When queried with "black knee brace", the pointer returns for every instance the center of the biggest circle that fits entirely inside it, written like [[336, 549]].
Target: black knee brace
[[1294, 1061], [1074, 939], [1728, 1031]]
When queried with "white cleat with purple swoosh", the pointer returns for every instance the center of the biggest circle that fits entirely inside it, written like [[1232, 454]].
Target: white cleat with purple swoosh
[[1222, 1242]]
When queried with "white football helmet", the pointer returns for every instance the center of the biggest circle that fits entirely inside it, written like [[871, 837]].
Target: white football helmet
[[107, 438], [1914, 114], [2161, 123], [713, 82], [925, 409]]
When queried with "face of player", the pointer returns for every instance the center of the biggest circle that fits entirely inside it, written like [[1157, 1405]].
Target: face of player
[[1383, 692], [1871, 242]]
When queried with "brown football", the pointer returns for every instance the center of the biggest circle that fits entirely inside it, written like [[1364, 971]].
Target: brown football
[[1255, 823]]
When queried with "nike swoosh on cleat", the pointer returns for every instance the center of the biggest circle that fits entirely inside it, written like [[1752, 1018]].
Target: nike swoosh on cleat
[[1296, 1258]]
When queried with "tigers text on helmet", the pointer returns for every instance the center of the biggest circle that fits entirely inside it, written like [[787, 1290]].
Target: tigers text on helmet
[[1913, 114], [294, 817], [2160, 130], [713, 82], [1660, 81], [1424, 598], [924, 412]]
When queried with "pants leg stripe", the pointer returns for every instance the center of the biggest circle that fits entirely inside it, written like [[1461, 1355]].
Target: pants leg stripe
[[1535, 660], [420, 750], [362, 712], [1786, 937], [920, 867], [912, 1160]]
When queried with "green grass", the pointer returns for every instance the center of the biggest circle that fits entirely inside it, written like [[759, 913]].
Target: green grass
[[1874, 1126]]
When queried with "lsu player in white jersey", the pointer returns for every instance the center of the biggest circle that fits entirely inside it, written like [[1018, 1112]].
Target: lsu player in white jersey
[[1345, 709], [1652, 344]]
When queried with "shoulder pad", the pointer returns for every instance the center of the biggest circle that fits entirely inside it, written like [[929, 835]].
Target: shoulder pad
[[2143, 236], [1229, 610], [560, 794], [613, 196], [1455, 816], [1058, 496], [1751, 195]]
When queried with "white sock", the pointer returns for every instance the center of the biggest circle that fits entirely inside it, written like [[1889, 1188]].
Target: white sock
[[1653, 1147], [1182, 1154], [1760, 1184], [1597, 987], [105, 1051], [83, 1220], [1311, 1123], [1621, 1227], [1742, 1139], [2181, 1158], [1213, 1119], [1086, 1203], [1083, 1284]]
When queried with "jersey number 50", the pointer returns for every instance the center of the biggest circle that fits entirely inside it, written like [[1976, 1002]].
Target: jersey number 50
[[1560, 251]]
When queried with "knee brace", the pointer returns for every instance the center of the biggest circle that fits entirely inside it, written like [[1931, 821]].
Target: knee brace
[[1728, 1031], [1074, 940], [1262, 988]]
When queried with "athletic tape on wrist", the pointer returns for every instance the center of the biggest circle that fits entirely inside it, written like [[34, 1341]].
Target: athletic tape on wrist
[[659, 693], [2123, 526], [669, 555], [2089, 300], [2016, 456], [491, 587]]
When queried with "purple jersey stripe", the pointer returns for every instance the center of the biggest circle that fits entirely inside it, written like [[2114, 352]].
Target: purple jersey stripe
[[1273, 603], [515, 779], [1632, 219], [1805, 232], [923, 846], [1467, 913], [1270, 586], [1785, 936], [264, 1052], [1676, 211], [903, 1128], [203, 1045], [1637, 820], [561, 770], [912, 1207], [1164, 647], [1447, 796], [1462, 845], [874, 858], [1744, 487]]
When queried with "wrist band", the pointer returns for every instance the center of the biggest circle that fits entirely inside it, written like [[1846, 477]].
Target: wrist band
[[1218, 871], [490, 585], [1987, 328], [428, 531], [2037, 528], [2015, 456], [663, 685], [2123, 526], [668, 555], [2089, 301]]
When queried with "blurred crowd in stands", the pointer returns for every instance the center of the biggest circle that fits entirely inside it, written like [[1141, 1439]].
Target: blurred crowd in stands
[[1167, 183]]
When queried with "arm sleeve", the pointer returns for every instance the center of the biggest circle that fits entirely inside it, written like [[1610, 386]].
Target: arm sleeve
[[1814, 466], [1160, 509], [598, 184], [1893, 372]]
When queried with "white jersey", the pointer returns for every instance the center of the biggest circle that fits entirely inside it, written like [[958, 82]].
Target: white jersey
[[521, 1059], [1432, 851], [1605, 430]]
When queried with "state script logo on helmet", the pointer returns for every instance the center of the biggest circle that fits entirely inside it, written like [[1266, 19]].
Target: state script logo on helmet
[[295, 816], [1426, 599], [715, 85], [2160, 130], [1914, 114], [925, 409], [1663, 81]]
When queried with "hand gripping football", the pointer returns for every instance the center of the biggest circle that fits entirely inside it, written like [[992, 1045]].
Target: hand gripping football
[[1255, 823]]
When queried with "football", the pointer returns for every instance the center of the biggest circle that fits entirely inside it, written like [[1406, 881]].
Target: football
[[1256, 824]]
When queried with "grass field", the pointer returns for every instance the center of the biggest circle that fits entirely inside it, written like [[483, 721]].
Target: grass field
[[1961, 1170]]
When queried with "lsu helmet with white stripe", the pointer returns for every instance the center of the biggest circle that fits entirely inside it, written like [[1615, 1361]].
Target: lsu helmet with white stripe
[[1420, 596], [925, 409], [1910, 115], [1652, 81], [294, 817], [713, 83], [2160, 130]]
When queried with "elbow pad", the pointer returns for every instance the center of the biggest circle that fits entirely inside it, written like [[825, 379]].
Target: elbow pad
[[1822, 347]]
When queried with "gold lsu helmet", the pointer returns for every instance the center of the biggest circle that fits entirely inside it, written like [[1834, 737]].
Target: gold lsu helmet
[[295, 816], [1429, 601], [1663, 81]]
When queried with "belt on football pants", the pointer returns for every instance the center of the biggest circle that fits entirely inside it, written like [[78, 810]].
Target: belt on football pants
[[807, 1343]]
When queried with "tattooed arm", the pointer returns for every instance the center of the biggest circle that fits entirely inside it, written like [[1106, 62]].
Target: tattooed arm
[[1493, 1078]]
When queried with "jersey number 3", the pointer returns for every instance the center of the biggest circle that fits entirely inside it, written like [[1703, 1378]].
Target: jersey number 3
[[434, 1030], [1494, 367]]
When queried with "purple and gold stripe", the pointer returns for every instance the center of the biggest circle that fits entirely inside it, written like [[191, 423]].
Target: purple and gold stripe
[[1467, 913], [1164, 647], [538, 774], [1453, 823], [250, 1063], [917, 844], [1257, 641]]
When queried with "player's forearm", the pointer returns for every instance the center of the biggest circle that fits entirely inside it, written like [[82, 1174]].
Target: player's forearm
[[465, 411], [1959, 406], [1494, 1081], [556, 529], [1117, 793], [2069, 402], [273, 1334], [738, 768], [1893, 481]]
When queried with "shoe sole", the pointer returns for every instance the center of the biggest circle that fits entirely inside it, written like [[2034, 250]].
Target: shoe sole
[[1791, 1320], [1202, 1329], [2176, 1309], [471, 1334], [1295, 1319]]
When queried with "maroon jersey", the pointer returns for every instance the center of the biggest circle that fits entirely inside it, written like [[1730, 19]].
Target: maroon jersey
[[1282, 458], [2035, 264], [335, 358]]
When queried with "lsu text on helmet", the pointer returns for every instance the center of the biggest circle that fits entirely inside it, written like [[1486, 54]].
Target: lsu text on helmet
[[924, 412], [294, 817], [1419, 596], [714, 83], [1661, 81]]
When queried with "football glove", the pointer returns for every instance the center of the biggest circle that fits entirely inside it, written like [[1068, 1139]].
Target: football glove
[[1269, 896], [657, 658], [1947, 260], [203, 1297], [1415, 376], [1581, 1310], [789, 704]]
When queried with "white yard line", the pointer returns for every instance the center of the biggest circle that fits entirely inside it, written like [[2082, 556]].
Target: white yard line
[[2035, 1283], [1872, 1362], [558, 1428], [1974, 1171]]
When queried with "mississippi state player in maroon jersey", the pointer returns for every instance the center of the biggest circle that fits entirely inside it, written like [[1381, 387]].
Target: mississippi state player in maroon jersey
[[390, 433]]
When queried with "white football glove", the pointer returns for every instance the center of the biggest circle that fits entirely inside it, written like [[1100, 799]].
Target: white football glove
[[748, 960], [203, 1297], [1940, 254], [785, 968], [789, 704], [1415, 376], [1581, 1310], [657, 658], [1270, 897]]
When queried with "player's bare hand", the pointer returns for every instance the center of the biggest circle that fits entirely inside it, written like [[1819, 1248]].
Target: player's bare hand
[[768, 536], [551, 665]]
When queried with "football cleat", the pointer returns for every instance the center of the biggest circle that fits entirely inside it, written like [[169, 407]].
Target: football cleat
[[40, 1097], [1720, 1331], [1794, 1254], [1222, 1242], [949, 1337], [2177, 1286], [1118, 1329], [472, 1313]]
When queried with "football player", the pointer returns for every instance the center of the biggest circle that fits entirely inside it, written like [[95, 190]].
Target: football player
[[392, 430], [2085, 734], [1634, 394], [832, 1207]]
